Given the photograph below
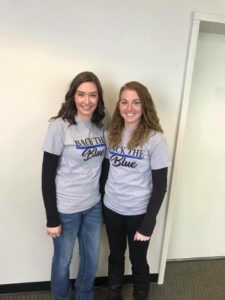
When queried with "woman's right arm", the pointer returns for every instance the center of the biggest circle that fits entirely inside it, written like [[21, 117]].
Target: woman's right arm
[[49, 168]]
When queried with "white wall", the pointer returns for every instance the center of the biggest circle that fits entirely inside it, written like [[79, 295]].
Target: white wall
[[43, 45], [199, 225]]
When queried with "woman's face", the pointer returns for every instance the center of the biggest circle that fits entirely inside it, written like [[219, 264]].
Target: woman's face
[[130, 107], [86, 100]]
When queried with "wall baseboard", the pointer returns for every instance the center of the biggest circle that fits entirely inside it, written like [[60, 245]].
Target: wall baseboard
[[45, 285]]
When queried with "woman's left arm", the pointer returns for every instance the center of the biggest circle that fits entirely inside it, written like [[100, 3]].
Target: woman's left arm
[[159, 181], [103, 176]]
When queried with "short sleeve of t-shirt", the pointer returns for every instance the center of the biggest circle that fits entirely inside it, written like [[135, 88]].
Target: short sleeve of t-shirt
[[159, 157], [54, 141]]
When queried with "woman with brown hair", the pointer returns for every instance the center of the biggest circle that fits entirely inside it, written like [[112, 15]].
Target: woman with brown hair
[[135, 188], [74, 148]]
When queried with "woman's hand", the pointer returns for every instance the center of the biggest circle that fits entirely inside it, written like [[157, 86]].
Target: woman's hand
[[140, 237], [54, 231]]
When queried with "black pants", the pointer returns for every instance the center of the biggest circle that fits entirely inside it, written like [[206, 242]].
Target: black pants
[[120, 230]]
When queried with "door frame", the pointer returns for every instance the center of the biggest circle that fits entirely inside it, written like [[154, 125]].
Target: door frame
[[201, 22]]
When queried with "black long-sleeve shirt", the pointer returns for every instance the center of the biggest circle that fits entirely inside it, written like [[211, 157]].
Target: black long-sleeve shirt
[[159, 181], [49, 169]]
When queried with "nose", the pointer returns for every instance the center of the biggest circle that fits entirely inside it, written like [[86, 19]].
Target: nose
[[86, 98], [129, 106]]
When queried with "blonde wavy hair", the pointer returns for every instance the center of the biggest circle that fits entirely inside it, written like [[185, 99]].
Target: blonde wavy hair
[[149, 122]]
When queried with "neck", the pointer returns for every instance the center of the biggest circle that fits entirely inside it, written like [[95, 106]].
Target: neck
[[130, 126], [83, 118]]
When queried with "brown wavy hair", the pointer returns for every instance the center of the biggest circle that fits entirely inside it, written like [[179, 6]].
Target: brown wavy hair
[[68, 109], [149, 122]]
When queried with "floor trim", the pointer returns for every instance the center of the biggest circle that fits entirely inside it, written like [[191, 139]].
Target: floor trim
[[45, 285]]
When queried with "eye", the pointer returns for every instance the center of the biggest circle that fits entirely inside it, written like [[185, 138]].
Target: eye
[[137, 102], [123, 101], [79, 94], [93, 95]]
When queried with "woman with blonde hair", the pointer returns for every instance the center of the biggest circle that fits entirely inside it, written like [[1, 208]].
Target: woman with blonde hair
[[135, 187]]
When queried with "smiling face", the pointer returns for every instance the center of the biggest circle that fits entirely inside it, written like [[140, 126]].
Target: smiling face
[[86, 100], [130, 107]]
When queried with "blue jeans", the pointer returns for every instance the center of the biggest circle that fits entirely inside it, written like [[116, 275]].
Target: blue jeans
[[87, 226]]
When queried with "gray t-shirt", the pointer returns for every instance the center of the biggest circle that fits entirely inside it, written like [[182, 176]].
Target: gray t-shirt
[[81, 148], [129, 185]]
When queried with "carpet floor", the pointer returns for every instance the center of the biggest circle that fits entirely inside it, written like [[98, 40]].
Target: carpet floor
[[184, 280]]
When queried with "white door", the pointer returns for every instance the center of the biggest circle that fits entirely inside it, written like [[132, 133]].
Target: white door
[[199, 219]]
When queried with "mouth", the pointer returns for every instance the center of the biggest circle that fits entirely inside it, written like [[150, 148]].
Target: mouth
[[86, 107], [130, 114]]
